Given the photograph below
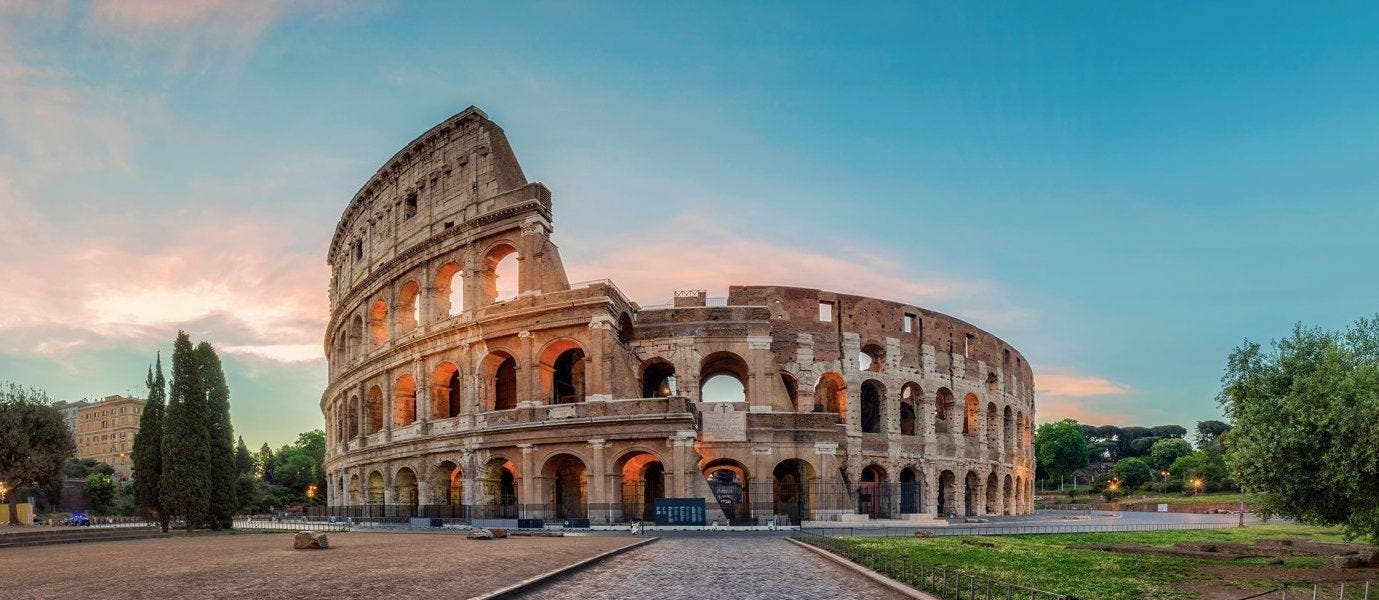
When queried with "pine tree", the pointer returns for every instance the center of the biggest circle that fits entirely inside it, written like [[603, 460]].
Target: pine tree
[[186, 457], [148, 448], [244, 462], [222, 472]]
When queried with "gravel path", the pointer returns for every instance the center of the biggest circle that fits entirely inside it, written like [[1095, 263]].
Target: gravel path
[[718, 567]]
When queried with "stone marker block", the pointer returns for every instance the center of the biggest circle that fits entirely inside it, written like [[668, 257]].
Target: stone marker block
[[479, 534], [306, 540]]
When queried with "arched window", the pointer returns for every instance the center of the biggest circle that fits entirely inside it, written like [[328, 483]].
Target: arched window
[[449, 294], [873, 409], [408, 312], [943, 408], [501, 274], [568, 379], [973, 412], [871, 358], [658, 378], [356, 337], [907, 419], [404, 401], [374, 409], [499, 369], [830, 394], [792, 391], [723, 378], [445, 391], [378, 321]]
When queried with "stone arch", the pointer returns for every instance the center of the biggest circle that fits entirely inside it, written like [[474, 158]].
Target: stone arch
[[993, 493], [497, 484], [792, 483], [354, 495], [1008, 428], [643, 480], [378, 322], [971, 414], [354, 416], [626, 332], [562, 367], [1008, 495], [356, 337], [565, 481], [717, 372], [947, 493], [792, 391], [377, 485], [907, 419], [499, 372], [873, 408], [873, 493], [502, 273], [446, 391], [730, 483], [871, 358], [373, 411], [404, 401], [408, 311], [943, 410], [448, 297], [658, 378], [830, 394], [405, 488], [911, 490], [969, 494], [446, 484]]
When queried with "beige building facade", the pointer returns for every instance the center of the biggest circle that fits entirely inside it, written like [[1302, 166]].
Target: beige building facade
[[105, 432], [468, 376]]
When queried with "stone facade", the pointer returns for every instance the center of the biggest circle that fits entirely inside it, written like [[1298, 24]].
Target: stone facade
[[457, 381]]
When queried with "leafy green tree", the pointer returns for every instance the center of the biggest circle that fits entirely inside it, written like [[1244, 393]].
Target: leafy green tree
[[1211, 471], [34, 442], [185, 486], [265, 459], [1165, 451], [79, 468], [148, 447], [1060, 448], [1208, 432], [1168, 431], [244, 461], [1304, 418], [100, 490], [1132, 473], [221, 473]]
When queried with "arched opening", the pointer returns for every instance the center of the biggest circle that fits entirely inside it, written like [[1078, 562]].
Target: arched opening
[[1008, 427], [405, 490], [501, 274], [723, 378], [497, 483], [658, 379], [873, 406], [792, 391], [643, 481], [970, 499], [730, 483], [376, 488], [873, 497], [353, 417], [374, 410], [907, 419], [356, 337], [911, 491], [947, 489], [500, 373], [971, 414], [943, 407], [354, 495], [1008, 495], [404, 401], [993, 492], [408, 307], [445, 391], [378, 321], [791, 481], [562, 372], [625, 331], [566, 486], [449, 294], [871, 358], [830, 395], [447, 484]]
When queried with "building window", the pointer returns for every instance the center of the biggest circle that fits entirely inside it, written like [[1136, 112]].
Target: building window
[[409, 206], [826, 312], [968, 344], [908, 325]]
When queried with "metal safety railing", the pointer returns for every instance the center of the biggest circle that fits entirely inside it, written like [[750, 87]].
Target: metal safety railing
[[944, 582], [290, 524], [1012, 528], [1331, 590]]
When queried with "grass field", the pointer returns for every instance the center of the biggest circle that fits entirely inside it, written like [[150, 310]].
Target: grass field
[[1045, 562]]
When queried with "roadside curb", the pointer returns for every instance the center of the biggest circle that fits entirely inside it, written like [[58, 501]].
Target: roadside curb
[[532, 582], [880, 579]]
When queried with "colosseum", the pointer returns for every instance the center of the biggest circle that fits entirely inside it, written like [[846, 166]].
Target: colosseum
[[468, 378]]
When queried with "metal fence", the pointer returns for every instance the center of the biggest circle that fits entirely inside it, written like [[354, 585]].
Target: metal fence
[[943, 582], [275, 524], [1336, 590], [999, 528]]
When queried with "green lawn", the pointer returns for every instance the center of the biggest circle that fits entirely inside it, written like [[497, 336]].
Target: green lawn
[[1044, 561]]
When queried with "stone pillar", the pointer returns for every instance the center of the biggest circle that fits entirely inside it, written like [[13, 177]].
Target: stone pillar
[[387, 407], [527, 495], [528, 373], [762, 367], [679, 471], [597, 359], [360, 412], [1000, 493], [599, 503], [422, 397]]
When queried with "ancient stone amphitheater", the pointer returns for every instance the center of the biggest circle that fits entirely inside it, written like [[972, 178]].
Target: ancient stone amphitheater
[[470, 379]]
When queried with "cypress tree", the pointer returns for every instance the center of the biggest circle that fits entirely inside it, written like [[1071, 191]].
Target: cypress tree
[[186, 457], [221, 472], [244, 462], [148, 448]]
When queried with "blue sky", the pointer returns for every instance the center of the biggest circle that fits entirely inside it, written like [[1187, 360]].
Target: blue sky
[[1124, 193]]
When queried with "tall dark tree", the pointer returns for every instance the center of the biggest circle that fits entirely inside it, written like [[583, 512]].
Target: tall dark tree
[[244, 461], [1208, 432], [185, 487], [221, 472], [34, 442], [1168, 431], [148, 448]]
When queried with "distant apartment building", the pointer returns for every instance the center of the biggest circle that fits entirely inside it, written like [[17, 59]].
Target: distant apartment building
[[105, 431], [69, 412]]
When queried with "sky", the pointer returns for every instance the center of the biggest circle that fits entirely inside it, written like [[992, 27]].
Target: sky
[[1122, 192]]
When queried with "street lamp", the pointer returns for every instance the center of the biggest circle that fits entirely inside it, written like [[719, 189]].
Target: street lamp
[[311, 491], [1196, 485]]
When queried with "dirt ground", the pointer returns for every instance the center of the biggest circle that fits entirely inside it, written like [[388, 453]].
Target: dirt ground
[[264, 565]]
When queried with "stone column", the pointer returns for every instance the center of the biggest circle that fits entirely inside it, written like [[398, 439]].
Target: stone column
[[469, 488], [387, 407], [679, 471], [422, 397], [528, 373], [527, 495], [598, 502], [361, 412]]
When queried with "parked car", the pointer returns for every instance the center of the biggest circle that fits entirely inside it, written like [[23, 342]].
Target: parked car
[[78, 519]]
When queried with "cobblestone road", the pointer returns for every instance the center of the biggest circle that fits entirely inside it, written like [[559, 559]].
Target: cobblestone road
[[718, 567]]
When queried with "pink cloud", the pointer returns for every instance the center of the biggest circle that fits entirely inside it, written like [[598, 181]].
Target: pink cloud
[[1076, 386]]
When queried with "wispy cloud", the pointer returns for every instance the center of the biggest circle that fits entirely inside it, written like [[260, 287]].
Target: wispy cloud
[[1065, 394]]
